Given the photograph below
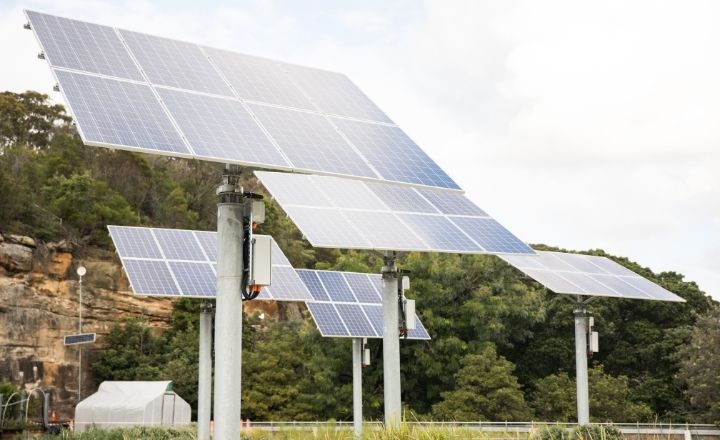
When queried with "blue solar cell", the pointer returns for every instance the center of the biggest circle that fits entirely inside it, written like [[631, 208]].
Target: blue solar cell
[[384, 231], [393, 154], [259, 79], [401, 198], [439, 233], [179, 245], [286, 285], [118, 113], [375, 314], [449, 203], [310, 141], [336, 287], [326, 227], [491, 235], [80, 338], [220, 128], [278, 257], [175, 63], [355, 320], [150, 278], [134, 242], [83, 46], [208, 241], [195, 279], [327, 319], [313, 284], [362, 287], [419, 332], [335, 94]]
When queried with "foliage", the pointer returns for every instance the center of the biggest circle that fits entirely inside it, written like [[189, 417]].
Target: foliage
[[486, 390], [700, 368], [137, 432], [552, 432], [611, 399], [597, 432], [28, 119], [7, 390], [554, 398]]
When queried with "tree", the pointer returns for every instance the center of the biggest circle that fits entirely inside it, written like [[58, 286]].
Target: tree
[[133, 352], [554, 398], [611, 400], [700, 368], [28, 119], [486, 390]]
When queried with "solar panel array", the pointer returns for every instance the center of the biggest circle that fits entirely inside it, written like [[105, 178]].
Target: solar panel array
[[588, 275], [349, 304], [80, 338], [176, 262], [140, 92], [344, 213]]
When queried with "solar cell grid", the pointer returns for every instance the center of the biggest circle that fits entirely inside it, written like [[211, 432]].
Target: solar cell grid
[[439, 233], [194, 279], [259, 79], [348, 193], [326, 227], [80, 338], [134, 242], [355, 320], [220, 128], [401, 198], [175, 63], [455, 204], [150, 278], [490, 234], [384, 230], [208, 242], [179, 245], [83, 46], [327, 319], [119, 113], [313, 284], [362, 287], [336, 287]]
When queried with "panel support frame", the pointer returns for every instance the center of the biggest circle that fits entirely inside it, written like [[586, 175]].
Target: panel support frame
[[581, 360], [205, 371], [357, 351]]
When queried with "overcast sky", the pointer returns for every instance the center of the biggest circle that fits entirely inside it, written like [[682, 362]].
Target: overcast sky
[[576, 124]]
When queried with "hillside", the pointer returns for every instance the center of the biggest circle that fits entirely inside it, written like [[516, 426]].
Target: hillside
[[502, 346]]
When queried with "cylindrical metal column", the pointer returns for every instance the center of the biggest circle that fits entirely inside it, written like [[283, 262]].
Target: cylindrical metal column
[[391, 344], [205, 372], [228, 320], [581, 367], [357, 347]]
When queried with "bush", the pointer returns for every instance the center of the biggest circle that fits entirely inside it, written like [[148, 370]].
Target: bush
[[597, 432], [552, 432], [137, 432]]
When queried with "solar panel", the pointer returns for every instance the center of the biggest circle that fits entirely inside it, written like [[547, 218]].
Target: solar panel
[[163, 97], [352, 214], [348, 304], [80, 338], [178, 262], [110, 112], [588, 275]]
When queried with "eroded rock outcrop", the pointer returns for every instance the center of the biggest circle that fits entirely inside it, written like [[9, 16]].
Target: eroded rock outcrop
[[39, 307]]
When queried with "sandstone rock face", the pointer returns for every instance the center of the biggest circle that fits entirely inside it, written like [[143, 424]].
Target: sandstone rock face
[[39, 307]]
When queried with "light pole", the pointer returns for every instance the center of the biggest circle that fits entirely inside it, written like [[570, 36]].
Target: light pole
[[81, 273]]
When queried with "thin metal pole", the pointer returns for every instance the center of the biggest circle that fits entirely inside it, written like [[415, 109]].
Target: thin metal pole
[[391, 343], [205, 372], [80, 345], [581, 367], [357, 346], [228, 310]]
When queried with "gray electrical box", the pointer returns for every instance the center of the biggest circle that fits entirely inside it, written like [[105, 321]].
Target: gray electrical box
[[594, 342], [261, 261], [258, 212], [410, 314]]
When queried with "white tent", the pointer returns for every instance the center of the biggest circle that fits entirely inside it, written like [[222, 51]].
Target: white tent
[[118, 404]]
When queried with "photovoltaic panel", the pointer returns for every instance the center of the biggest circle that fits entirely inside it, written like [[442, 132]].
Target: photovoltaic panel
[[310, 142], [259, 79], [178, 262], [175, 63], [348, 304], [393, 154], [83, 46], [119, 113], [382, 216], [355, 320], [312, 121], [335, 94], [80, 338], [327, 319], [456, 204], [587, 275], [220, 128]]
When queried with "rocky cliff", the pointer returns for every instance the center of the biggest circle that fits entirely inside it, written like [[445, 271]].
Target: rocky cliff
[[39, 305]]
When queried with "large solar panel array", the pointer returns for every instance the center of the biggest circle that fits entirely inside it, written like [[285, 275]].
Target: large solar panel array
[[344, 213], [349, 304], [140, 92], [588, 275], [176, 262]]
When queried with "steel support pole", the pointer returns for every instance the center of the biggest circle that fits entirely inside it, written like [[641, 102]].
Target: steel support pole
[[79, 399], [357, 346], [228, 310], [581, 366], [391, 343], [205, 372]]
